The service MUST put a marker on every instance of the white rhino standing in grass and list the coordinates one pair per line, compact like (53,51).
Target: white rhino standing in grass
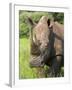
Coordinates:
(47,45)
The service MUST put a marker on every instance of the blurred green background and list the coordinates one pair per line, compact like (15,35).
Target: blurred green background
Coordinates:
(24,42)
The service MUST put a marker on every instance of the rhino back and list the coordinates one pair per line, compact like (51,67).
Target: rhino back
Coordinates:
(58,30)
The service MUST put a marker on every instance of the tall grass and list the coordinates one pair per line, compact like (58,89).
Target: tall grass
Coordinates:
(25,71)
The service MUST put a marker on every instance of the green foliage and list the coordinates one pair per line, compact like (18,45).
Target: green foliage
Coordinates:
(23,24)
(25,72)
(24,56)
(58,17)
(23,15)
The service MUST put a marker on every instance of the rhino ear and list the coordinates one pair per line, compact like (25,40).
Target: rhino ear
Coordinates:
(30,21)
(50,23)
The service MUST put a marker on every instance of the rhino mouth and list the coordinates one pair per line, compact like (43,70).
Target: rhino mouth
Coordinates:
(40,60)
(37,62)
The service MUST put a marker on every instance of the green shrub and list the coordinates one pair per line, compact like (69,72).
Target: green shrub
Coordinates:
(23,24)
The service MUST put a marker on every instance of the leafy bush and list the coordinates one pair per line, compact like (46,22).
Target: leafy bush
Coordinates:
(23,25)
(58,17)
(35,15)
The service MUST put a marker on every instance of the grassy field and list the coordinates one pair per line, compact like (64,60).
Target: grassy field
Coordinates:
(25,71)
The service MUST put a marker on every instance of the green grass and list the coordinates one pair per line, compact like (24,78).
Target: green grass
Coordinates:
(25,72)
(24,56)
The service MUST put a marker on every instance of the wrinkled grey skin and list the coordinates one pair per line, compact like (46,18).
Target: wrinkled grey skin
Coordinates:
(47,45)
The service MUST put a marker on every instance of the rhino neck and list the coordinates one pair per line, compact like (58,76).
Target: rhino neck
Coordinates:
(58,29)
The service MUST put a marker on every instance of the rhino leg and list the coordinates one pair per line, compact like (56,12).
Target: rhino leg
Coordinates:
(54,70)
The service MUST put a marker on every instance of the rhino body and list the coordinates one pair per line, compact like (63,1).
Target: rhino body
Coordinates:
(47,45)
